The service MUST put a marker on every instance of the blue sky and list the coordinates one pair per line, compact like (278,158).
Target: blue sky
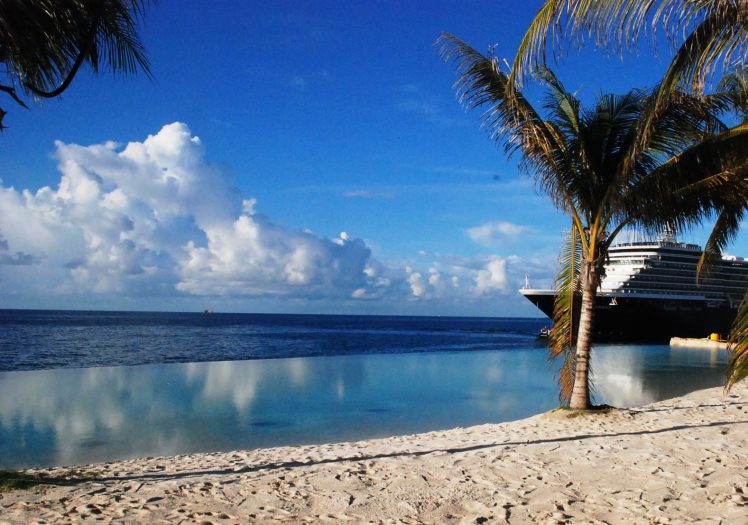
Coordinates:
(323,117)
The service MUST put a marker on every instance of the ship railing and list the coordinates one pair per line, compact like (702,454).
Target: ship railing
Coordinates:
(659,244)
(652,293)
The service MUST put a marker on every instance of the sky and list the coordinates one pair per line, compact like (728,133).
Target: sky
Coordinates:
(287,156)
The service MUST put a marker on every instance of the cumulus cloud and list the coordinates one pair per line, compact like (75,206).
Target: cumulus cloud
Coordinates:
(491,278)
(417,284)
(13,259)
(466,278)
(254,256)
(492,234)
(156,217)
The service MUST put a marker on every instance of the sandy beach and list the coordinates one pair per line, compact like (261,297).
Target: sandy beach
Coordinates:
(676,461)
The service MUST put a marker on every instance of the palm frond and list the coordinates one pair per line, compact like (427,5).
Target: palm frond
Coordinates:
(706,33)
(615,23)
(608,130)
(509,118)
(734,86)
(664,128)
(45,42)
(481,83)
(667,126)
(562,104)
(725,229)
(565,308)
(706,177)
(714,41)
(737,368)
(532,49)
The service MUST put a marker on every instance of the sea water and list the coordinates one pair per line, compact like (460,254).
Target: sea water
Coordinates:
(184,383)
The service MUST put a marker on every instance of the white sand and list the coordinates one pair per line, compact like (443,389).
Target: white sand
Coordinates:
(682,460)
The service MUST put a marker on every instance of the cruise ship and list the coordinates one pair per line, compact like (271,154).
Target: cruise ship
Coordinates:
(650,293)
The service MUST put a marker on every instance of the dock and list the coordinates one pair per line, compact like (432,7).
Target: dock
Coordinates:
(703,344)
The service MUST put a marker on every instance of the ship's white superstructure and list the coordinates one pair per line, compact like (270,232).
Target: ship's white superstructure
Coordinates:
(666,269)
(652,288)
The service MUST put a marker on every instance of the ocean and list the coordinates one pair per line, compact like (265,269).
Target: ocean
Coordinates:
(81,387)
(38,339)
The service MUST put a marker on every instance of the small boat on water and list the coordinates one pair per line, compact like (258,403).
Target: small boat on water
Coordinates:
(545,333)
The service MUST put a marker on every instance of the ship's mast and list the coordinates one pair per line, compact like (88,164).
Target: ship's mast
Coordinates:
(667,234)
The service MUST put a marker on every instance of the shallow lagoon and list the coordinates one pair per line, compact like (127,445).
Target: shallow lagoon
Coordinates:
(83,415)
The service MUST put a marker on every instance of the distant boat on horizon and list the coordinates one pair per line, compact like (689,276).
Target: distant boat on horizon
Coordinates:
(649,292)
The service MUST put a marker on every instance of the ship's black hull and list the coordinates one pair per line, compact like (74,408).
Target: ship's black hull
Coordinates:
(637,319)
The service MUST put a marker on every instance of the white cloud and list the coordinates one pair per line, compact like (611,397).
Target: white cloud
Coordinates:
(14,259)
(492,278)
(253,256)
(155,217)
(495,233)
(467,278)
(417,284)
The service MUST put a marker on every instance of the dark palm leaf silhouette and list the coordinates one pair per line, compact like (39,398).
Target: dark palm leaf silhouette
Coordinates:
(44,43)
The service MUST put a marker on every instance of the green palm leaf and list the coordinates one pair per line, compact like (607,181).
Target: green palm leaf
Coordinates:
(717,33)
(565,311)
(709,176)
(608,22)
(734,85)
(737,368)
(725,229)
(511,119)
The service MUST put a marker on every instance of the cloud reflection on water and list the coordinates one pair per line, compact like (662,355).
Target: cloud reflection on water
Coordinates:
(626,376)
(67,416)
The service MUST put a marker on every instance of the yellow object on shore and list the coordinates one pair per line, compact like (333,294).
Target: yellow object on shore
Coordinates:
(714,337)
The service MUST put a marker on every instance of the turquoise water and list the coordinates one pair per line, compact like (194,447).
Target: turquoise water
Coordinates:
(80,415)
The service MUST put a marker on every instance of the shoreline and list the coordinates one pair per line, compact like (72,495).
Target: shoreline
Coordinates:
(683,459)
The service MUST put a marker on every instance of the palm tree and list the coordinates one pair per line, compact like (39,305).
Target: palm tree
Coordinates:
(43,43)
(594,166)
(716,34)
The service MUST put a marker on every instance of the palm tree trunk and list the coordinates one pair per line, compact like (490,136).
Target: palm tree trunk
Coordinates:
(580,394)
